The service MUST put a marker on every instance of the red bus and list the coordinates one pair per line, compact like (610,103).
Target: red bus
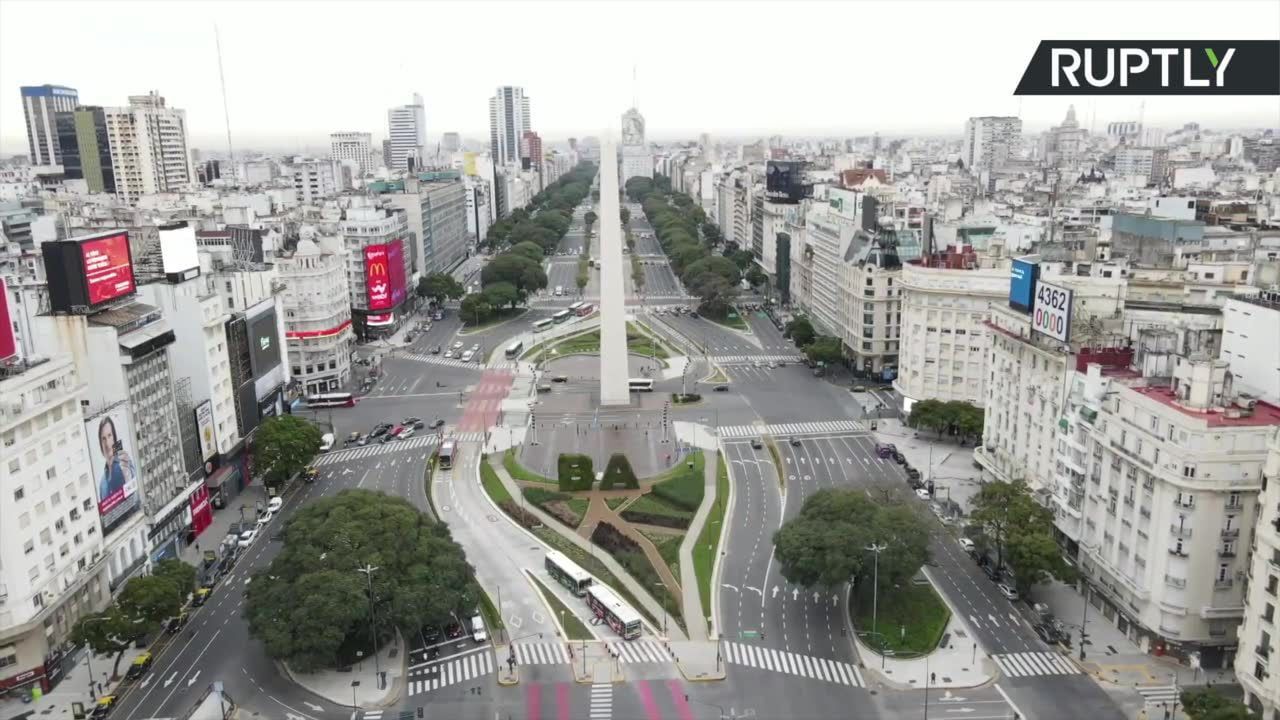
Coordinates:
(586,309)
(331,400)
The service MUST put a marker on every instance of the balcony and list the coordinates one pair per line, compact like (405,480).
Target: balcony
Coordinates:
(1263,651)
(1180,531)
(1175,582)
(1230,532)
(1226,553)
(1145,512)
(1176,552)
(1223,584)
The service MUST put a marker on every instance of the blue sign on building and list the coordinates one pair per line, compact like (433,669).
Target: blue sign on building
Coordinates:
(1022,284)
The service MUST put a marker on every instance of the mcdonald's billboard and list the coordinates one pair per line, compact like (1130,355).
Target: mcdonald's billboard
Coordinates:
(395,271)
(377,277)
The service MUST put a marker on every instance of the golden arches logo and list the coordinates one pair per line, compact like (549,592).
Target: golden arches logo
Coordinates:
(378,268)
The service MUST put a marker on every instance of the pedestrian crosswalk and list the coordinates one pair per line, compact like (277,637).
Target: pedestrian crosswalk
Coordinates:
(450,671)
(371,715)
(378,448)
(541,654)
(438,360)
(841,673)
(474,436)
(601,701)
(748,359)
(807,428)
(640,651)
(1027,664)
(1158,694)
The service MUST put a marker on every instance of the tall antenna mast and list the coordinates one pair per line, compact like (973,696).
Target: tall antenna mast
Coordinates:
(633,86)
(226,114)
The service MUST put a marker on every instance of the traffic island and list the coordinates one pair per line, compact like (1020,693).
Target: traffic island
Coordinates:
(366,684)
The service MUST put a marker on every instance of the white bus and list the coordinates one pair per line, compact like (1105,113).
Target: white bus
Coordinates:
(543,324)
(574,307)
(513,350)
(621,617)
(640,384)
(561,316)
(567,573)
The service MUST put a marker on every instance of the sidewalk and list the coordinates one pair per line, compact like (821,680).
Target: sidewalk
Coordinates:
(960,664)
(74,687)
(358,686)
(690,597)
(949,464)
(249,499)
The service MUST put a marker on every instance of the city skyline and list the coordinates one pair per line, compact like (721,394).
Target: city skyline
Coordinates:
(936,77)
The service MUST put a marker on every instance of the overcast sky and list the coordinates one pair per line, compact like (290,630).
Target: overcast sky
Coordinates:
(299,70)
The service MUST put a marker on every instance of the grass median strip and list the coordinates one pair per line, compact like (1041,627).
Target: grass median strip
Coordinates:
(573,627)
(708,547)
(911,617)
(520,472)
(492,483)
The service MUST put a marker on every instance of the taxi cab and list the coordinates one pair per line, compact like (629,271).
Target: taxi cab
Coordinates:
(103,707)
(139,666)
(202,596)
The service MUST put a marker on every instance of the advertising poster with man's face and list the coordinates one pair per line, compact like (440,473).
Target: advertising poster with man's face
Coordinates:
(116,472)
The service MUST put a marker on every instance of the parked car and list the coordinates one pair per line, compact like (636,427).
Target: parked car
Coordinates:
(431,633)
(410,420)
(884,450)
(437,424)
(477,629)
(1007,591)
(274,504)
(967,544)
(859,388)
(899,458)
(352,439)
(922,493)
(453,629)
(991,572)
(912,473)
(364,440)
(1047,633)
(560,379)
(435,350)
(247,537)
(407,433)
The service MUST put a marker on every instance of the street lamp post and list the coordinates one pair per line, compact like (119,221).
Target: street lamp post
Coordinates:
(664,607)
(88,658)
(875,587)
(368,571)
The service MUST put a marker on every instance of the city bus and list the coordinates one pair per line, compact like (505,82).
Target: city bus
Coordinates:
(513,350)
(561,316)
(448,450)
(620,616)
(331,400)
(640,384)
(574,307)
(543,324)
(567,573)
(585,310)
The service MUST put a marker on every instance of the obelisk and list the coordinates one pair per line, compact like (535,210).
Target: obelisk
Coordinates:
(614,388)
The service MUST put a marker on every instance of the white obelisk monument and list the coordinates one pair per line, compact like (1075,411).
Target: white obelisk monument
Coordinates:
(614,388)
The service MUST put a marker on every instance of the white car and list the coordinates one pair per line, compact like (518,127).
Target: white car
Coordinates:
(407,433)
(967,544)
(274,505)
(1007,591)
(247,537)
(922,493)
(457,345)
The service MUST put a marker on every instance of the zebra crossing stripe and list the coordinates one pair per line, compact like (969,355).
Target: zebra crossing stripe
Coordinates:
(825,669)
(1035,663)
(453,671)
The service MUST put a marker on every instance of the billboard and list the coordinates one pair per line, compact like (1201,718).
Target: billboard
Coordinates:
(1051,315)
(204,428)
(784,181)
(201,512)
(8,341)
(395,266)
(1022,283)
(116,475)
(87,272)
(377,277)
(178,251)
(264,342)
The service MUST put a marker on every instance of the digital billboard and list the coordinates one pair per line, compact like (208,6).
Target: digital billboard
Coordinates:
(178,251)
(784,181)
(395,267)
(1052,311)
(116,473)
(8,341)
(377,277)
(1022,284)
(86,272)
(204,428)
(108,268)
(264,342)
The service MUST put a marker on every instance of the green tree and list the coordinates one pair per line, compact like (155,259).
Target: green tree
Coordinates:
(625,215)
(440,286)
(721,266)
(311,606)
(582,279)
(531,250)
(476,308)
(283,446)
(825,545)
(801,331)
(1021,529)
(589,219)
(181,575)
(109,632)
(638,187)
(714,293)
(1206,703)
(711,232)
(526,274)
(824,349)
(755,276)
(501,294)
(743,259)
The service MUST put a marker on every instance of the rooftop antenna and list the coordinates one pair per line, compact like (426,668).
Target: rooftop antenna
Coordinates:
(226,114)
(633,86)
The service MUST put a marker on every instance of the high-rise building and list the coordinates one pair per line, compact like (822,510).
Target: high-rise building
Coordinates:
(636,159)
(148,147)
(317,313)
(315,180)
(1147,162)
(353,146)
(508,121)
(450,142)
(86,148)
(989,141)
(39,104)
(435,207)
(407,126)
(530,150)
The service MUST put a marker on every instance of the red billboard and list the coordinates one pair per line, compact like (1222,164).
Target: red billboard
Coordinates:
(201,512)
(377,277)
(8,342)
(108,268)
(395,259)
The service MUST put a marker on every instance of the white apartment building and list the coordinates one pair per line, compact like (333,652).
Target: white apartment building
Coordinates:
(354,146)
(479,196)
(1154,477)
(1027,382)
(407,128)
(989,141)
(317,313)
(365,224)
(51,543)
(314,180)
(509,120)
(944,341)
(1146,162)
(1257,633)
(148,144)
(1251,343)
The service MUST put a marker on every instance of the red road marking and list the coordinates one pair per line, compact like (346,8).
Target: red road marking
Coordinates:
(533,702)
(483,406)
(646,697)
(677,697)
(562,701)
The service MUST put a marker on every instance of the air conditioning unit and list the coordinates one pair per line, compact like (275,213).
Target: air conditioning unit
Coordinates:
(1246,401)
